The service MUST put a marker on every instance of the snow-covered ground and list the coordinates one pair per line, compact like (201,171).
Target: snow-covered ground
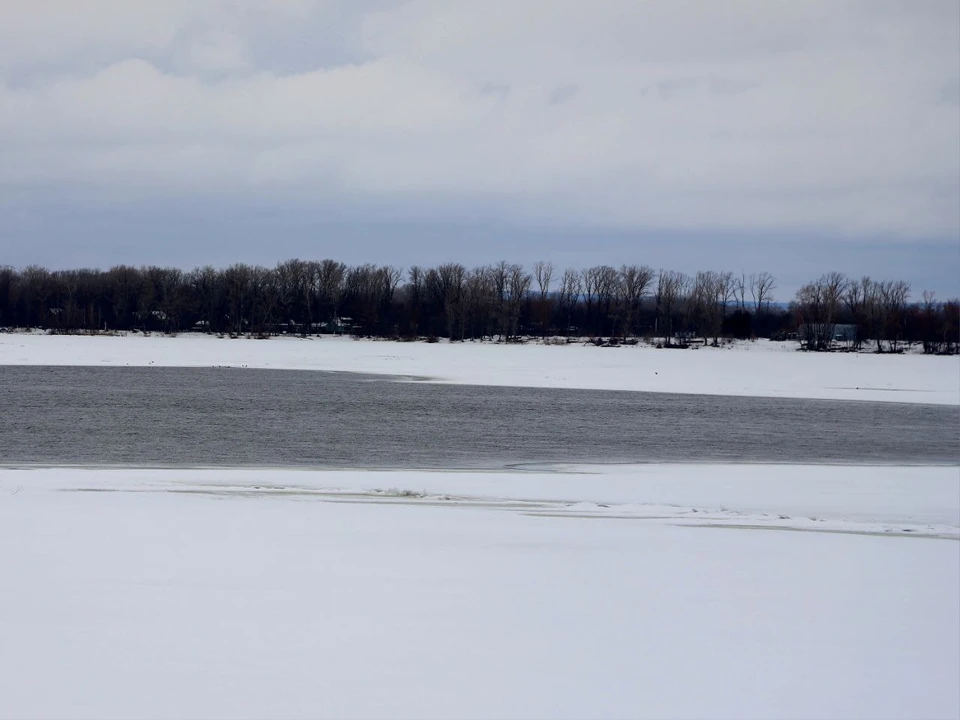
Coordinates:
(759,368)
(654,591)
(680,591)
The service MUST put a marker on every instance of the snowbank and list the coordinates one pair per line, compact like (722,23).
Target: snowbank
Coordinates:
(762,368)
(592,592)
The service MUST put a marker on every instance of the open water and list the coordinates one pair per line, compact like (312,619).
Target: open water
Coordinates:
(212,416)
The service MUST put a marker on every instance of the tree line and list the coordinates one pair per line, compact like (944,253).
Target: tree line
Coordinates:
(875,312)
(502,300)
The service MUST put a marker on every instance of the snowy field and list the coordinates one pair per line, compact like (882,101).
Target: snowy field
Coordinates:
(661,591)
(654,591)
(760,368)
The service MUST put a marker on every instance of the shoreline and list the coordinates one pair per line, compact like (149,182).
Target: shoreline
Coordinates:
(759,368)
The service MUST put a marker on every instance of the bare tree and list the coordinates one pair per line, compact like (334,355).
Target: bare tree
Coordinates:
(607,290)
(295,278)
(818,304)
(588,277)
(500,274)
(726,289)
(635,281)
(126,284)
(206,288)
(740,285)
(238,284)
(298,295)
(517,289)
(543,271)
(858,298)
(70,282)
(762,286)
(331,284)
(708,304)
(414,292)
(446,284)
(570,289)
(928,321)
(669,296)
(479,305)
(264,294)
(893,299)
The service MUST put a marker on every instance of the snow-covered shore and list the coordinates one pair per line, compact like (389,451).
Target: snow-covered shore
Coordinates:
(760,368)
(657,591)
(674,591)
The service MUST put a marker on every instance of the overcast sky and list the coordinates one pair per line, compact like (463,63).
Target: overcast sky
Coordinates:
(785,135)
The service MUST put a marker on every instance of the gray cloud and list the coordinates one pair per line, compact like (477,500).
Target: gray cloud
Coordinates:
(836,117)
(563,94)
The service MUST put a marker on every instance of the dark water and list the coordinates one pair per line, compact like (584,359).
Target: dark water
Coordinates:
(210,416)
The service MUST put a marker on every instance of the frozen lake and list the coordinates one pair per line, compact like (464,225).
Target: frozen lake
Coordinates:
(684,591)
(233,416)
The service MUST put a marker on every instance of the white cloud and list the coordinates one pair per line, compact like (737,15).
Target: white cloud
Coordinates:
(835,116)
(216,53)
